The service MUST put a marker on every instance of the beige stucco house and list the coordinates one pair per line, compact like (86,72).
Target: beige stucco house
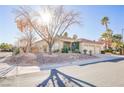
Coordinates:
(89,45)
(84,44)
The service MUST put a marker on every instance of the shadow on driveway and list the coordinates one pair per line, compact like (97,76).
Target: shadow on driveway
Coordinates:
(109,60)
(59,79)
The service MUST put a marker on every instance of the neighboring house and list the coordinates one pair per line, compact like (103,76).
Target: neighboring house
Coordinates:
(89,45)
(60,43)
(22,45)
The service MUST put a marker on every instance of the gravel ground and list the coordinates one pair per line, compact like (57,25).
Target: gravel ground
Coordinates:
(29,63)
(39,59)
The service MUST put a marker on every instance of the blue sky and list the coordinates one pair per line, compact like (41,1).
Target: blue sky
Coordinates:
(91,16)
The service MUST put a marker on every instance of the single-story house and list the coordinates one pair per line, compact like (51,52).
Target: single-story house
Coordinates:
(60,43)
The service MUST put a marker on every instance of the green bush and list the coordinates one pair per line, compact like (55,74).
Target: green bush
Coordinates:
(64,50)
(56,51)
(5,47)
(90,52)
(85,51)
(16,51)
(108,50)
(69,49)
(76,51)
(102,52)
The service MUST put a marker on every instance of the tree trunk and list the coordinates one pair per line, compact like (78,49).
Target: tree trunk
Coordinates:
(106,26)
(50,49)
(30,42)
(30,47)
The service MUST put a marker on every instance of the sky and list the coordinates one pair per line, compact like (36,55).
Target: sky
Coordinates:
(90,16)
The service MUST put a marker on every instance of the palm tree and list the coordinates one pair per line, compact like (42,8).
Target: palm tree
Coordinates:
(105,21)
(107,38)
(109,33)
(117,37)
(104,38)
(116,40)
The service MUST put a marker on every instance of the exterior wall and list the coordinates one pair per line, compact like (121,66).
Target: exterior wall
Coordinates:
(58,45)
(42,46)
(95,48)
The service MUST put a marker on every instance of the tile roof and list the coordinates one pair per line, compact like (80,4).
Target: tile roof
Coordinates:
(89,41)
(68,39)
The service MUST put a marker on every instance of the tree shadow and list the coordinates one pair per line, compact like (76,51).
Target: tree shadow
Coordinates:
(4,71)
(59,79)
(109,60)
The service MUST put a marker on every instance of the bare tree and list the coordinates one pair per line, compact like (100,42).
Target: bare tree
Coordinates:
(28,37)
(49,22)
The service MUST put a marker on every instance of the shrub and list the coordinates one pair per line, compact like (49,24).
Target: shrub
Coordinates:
(102,52)
(90,52)
(5,47)
(16,51)
(109,50)
(56,51)
(76,51)
(69,49)
(64,50)
(85,51)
